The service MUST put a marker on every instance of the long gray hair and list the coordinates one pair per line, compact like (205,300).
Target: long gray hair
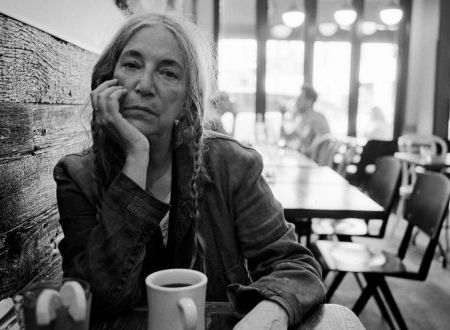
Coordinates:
(197,55)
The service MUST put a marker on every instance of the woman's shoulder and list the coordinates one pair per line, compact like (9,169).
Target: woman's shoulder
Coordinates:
(223,151)
(76,164)
(221,144)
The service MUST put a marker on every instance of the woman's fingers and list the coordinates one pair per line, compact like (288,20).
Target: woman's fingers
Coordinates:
(106,102)
(108,98)
(100,88)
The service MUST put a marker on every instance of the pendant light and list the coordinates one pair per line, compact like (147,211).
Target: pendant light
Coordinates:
(280,31)
(392,14)
(328,29)
(346,15)
(369,27)
(294,17)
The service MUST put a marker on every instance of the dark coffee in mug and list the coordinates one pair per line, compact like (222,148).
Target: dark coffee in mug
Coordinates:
(176,285)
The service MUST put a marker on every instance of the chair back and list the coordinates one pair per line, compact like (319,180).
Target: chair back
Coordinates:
(415,143)
(426,210)
(383,186)
(370,152)
(384,182)
(324,148)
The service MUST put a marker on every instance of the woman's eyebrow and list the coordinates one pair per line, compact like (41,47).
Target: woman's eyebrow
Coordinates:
(131,53)
(171,62)
(165,61)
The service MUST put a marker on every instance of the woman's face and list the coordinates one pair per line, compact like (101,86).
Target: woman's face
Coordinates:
(152,69)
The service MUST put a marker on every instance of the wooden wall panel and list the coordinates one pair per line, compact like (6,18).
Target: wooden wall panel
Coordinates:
(30,129)
(27,252)
(38,68)
(27,188)
(44,90)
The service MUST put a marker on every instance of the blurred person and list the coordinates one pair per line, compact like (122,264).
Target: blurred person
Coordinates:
(377,127)
(157,190)
(306,124)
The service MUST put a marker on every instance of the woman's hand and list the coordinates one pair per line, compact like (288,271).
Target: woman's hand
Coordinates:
(105,101)
(267,315)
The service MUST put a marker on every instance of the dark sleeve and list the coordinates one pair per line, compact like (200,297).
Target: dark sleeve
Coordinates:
(283,270)
(107,252)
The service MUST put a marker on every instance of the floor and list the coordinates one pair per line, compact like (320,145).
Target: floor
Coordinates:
(424,305)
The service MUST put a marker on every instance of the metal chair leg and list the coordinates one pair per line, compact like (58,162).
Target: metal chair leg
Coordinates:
(334,285)
(443,255)
(380,303)
(447,239)
(391,303)
(364,297)
(383,309)
(358,280)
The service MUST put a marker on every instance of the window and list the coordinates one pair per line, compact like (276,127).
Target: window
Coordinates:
(377,79)
(331,80)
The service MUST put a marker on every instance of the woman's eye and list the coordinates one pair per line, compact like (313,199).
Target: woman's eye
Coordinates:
(168,74)
(130,65)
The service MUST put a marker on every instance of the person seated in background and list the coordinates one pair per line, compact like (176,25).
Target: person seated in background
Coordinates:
(307,124)
(157,190)
(377,127)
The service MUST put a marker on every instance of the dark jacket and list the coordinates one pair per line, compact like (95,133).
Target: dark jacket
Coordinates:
(251,251)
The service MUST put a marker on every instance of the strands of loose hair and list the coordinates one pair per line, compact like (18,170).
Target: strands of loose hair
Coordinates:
(109,158)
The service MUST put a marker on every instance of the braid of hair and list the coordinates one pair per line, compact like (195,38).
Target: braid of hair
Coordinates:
(195,191)
(107,163)
(97,173)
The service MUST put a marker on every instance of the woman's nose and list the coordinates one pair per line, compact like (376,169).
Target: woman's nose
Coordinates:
(145,83)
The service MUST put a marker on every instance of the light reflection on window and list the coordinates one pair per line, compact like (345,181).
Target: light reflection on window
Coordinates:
(377,78)
(237,76)
(331,80)
(284,74)
(237,65)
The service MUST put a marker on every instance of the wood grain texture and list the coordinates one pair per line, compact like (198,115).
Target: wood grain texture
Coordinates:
(27,252)
(36,67)
(30,129)
(44,90)
(29,220)
(27,188)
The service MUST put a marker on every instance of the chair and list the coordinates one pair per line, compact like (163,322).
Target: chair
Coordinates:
(426,210)
(358,174)
(426,146)
(324,148)
(383,188)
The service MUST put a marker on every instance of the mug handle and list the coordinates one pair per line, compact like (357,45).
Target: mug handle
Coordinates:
(189,313)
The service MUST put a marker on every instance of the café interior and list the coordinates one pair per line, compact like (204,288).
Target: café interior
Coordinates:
(369,198)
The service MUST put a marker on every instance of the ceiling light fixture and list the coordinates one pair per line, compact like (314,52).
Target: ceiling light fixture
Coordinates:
(327,29)
(280,31)
(369,27)
(346,15)
(294,17)
(392,14)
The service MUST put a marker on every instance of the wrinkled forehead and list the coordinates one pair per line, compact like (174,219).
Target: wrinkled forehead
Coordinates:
(158,40)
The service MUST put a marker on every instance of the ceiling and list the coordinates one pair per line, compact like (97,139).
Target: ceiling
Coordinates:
(238,17)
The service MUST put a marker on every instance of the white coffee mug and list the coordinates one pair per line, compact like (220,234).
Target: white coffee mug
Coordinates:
(176,299)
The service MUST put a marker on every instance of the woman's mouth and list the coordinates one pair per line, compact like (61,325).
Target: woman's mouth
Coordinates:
(140,107)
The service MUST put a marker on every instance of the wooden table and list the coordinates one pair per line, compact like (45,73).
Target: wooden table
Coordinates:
(319,192)
(283,157)
(432,164)
(219,316)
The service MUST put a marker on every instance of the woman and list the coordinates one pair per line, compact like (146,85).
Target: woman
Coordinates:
(157,190)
